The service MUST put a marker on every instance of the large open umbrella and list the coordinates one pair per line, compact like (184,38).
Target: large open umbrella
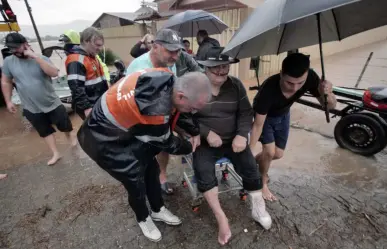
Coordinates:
(189,22)
(278,26)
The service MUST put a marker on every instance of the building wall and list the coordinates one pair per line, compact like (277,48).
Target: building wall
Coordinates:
(352,42)
(121,40)
(233,18)
(271,64)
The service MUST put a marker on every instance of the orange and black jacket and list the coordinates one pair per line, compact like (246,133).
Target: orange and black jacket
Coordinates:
(133,120)
(86,79)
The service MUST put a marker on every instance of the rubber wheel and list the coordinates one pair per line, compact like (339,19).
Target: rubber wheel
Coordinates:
(361,134)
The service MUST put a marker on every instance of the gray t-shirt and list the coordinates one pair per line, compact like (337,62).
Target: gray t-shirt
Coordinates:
(34,87)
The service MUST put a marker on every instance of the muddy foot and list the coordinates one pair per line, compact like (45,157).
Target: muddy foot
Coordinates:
(54,159)
(224,232)
(267,195)
(2,176)
(72,139)
(74,142)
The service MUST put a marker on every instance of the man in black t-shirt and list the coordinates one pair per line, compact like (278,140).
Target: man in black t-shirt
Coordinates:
(272,105)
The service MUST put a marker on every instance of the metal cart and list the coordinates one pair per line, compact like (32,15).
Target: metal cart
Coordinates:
(228,179)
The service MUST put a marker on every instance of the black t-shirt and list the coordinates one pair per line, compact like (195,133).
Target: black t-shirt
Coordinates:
(270,100)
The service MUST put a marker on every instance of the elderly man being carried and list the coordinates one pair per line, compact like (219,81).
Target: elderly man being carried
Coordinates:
(225,122)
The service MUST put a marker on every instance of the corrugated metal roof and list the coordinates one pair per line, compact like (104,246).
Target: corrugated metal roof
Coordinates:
(123,15)
(146,13)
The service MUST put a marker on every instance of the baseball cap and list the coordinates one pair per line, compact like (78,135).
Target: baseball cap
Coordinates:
(14,40)
(169,39)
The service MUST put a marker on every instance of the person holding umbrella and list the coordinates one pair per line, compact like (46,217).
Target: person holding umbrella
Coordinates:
(225,122)
(272,105)
(205,43)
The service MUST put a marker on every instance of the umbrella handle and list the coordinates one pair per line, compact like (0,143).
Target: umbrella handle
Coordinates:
(322,66)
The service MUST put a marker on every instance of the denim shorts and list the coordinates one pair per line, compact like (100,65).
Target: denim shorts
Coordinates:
(276,130)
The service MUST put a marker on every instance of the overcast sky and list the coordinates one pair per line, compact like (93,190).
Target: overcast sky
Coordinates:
(64,11)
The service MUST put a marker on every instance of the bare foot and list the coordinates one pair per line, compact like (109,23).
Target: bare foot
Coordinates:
(267,195)
(74,142)
(163,177)
(72,139)
(2,176)
(224,231)
(55,158)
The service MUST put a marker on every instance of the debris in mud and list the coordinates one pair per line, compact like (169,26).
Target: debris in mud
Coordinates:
(29,227)
(378,229)
(89,200)
(4,241)
(300,127)
(320,226)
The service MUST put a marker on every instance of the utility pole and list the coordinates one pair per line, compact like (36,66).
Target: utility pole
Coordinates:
(34,25)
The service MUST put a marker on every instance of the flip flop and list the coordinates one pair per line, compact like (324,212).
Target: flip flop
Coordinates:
(166,188)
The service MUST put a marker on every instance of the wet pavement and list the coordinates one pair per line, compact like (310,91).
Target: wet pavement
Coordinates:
(328,197)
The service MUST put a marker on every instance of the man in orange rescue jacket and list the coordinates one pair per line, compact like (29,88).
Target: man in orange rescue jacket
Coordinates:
(132,122)
(85,74)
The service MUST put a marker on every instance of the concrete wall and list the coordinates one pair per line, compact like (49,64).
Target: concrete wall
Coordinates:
(271,64)
(233,18)
(121,40)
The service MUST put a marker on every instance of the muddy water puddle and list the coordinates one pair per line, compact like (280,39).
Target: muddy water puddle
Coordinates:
(20,144)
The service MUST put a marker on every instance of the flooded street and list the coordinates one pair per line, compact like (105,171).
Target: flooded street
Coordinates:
(328,196)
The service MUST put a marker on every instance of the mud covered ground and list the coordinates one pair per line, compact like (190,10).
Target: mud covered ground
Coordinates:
(76,205)
(328,197)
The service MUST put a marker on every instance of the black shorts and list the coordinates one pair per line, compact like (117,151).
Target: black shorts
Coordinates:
(276,130)
(205,157)
(43,122)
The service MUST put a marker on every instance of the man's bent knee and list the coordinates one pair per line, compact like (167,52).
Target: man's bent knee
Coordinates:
(268,151)
(279,153)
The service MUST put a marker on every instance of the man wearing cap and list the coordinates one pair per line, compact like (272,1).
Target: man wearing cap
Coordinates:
(225,123)
(165,52)
(41,106)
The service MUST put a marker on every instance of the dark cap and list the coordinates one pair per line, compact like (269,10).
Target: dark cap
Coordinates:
(14,40)
(214,57)
(169,39)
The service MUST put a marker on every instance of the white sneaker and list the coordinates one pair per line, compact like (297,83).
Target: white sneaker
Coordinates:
(166,216)
(258,210)
(150,230)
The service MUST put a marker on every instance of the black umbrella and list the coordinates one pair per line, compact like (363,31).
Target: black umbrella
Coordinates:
(189,22)
(278,26)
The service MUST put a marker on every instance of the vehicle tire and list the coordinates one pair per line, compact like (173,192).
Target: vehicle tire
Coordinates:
(361,134)
(382,120)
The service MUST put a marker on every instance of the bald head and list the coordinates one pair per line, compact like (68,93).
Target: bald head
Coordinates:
(192,91)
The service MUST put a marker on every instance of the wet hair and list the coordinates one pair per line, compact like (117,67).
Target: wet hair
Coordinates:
(202,33)
(186,41)
(90,34)
(295,65)
(193,85)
